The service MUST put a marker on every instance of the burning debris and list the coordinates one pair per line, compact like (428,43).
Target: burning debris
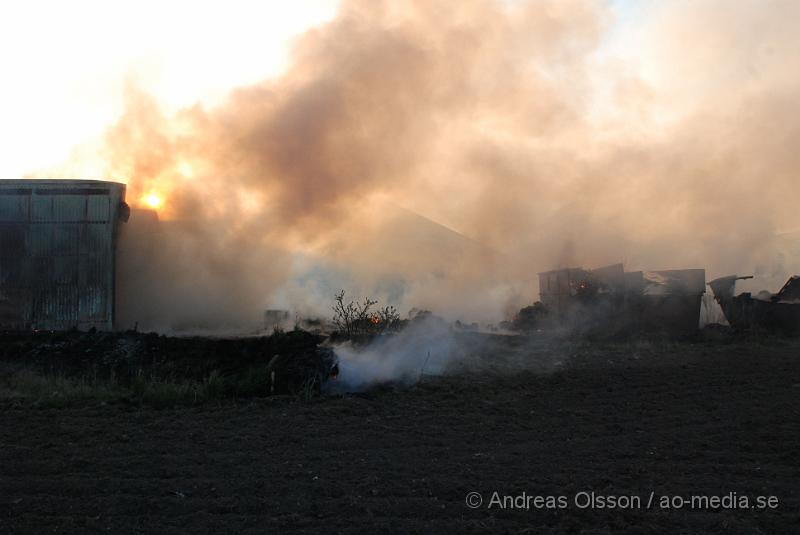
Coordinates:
(778,312)
(611,300)
(358,320)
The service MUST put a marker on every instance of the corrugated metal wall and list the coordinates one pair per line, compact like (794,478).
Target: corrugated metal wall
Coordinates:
(57,246)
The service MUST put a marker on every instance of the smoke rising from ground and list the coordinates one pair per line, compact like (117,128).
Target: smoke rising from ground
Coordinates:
(425,347)
(501,120)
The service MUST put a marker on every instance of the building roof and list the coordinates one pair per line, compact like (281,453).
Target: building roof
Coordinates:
(62,182)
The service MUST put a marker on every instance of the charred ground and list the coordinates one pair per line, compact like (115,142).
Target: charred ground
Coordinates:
(709,416)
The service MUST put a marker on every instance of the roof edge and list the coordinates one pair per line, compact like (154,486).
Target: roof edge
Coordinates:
(32,182)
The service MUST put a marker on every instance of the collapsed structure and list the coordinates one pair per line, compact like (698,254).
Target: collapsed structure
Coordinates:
(57,253)
(778,312)
(613,299)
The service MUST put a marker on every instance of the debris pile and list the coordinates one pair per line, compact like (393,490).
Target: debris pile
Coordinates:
(612,300)
(778,312)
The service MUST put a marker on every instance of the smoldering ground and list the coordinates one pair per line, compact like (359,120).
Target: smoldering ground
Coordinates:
(505,121)
(429,348)
(426,345)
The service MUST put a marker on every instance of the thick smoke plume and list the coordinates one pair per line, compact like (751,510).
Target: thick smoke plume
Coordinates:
(505,121)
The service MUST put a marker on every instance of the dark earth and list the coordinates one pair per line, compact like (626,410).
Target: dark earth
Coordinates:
(707,417)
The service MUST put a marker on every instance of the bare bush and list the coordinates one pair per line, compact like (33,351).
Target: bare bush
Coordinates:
(354,319)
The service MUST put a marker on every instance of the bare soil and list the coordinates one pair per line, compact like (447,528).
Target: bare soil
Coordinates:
(700,418)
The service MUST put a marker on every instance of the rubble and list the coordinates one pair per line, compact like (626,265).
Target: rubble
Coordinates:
(778,312)
(612,300)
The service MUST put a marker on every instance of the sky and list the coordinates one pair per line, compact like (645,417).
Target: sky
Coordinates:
(65,64)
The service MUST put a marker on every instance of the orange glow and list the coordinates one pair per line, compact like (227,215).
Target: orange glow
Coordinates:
(153,201)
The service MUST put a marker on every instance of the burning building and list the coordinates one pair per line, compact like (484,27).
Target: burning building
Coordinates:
(57,253)
(611,298)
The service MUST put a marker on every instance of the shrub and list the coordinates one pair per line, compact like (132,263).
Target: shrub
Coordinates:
(354,319)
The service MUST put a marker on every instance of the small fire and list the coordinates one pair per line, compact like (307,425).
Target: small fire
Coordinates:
(153,201)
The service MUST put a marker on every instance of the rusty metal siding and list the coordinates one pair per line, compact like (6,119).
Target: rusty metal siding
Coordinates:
(57,247)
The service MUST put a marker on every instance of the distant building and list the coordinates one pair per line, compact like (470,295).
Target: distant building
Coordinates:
(57,253)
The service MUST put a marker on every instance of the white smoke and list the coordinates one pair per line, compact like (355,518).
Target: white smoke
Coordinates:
(424,348)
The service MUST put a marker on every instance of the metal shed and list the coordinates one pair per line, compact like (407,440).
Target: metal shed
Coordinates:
(57,249)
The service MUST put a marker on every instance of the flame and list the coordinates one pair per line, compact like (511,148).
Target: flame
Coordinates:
(153,200)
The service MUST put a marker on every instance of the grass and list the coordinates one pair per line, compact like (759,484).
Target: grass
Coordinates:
(21,384)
